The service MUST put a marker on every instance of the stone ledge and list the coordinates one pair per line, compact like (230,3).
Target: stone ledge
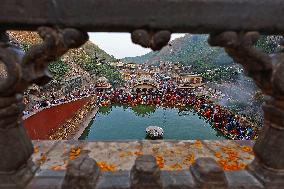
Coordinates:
(121,156)
(176,155)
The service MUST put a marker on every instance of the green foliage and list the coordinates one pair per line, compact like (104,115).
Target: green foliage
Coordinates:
(268,44)
(25,47)
(194,51)
(94,61)
(89,59)
(58,69)
(143,110)
(88,64)
(82,59)
(102,69)
(105,110)
(110,72)
(221,74)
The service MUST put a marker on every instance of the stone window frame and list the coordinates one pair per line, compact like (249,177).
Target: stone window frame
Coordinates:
(151,23)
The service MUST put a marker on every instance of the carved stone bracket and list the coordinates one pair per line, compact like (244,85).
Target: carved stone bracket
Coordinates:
(154,40)
(16,168)
(268,73)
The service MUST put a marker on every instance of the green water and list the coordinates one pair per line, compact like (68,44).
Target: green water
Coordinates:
(123,123)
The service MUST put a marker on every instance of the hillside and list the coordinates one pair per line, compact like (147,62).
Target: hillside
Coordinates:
(217,68)
(194,50)
(73,58)
(188,50)
(69,71)
(93,50)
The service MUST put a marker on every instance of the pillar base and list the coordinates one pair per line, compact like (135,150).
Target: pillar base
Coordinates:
(270,178)
(18,179)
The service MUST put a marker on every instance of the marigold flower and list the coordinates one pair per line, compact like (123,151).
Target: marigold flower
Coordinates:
(56,168)
(198,143)
(218,154)
(189,160)
(176,166)
(247,149)
(42,158)
(160,161)
(74,153)
(138,153)
(106,166)
(36,149)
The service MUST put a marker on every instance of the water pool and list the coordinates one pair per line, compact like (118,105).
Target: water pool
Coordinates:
(129,123)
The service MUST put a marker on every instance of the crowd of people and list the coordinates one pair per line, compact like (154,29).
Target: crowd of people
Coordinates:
(53,101)
(168,95)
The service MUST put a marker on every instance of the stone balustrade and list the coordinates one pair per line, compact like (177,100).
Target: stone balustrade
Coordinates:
(135,164)
(151,22)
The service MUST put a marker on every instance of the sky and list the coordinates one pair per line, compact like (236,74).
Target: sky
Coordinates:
(120,45)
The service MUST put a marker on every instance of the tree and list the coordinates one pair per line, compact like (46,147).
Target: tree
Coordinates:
(268,44)
(58,69)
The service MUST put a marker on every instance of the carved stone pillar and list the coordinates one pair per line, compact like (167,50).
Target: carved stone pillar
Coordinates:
(209,174)
(268,165)
(16,167)
(268,73)
(145,174)
(82,173)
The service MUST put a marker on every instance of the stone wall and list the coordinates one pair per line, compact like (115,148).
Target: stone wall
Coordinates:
(44,123)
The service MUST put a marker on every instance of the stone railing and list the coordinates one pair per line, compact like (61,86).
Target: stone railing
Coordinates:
(233,25)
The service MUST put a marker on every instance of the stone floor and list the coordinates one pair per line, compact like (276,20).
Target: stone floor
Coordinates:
(120,155)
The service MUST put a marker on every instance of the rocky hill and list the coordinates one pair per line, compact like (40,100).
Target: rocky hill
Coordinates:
(72,58)
(69,70)
(188,50)
(194,51)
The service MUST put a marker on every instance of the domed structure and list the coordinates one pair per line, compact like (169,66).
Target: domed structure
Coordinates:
(102,80)
(154,132)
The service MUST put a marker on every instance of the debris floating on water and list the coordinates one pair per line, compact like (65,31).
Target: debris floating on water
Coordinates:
(154,132)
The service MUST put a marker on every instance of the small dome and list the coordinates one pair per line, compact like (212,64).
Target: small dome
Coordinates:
(102,80)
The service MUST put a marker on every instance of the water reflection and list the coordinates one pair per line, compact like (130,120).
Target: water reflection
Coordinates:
(139,110)
(105,110)
(127,122)
(143,110)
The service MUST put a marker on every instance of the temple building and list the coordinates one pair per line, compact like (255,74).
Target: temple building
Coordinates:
(190,81)
(126,74)
(145,84)
(143,74)
(118,65)
(102,85)
(131,66)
